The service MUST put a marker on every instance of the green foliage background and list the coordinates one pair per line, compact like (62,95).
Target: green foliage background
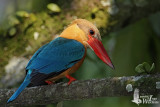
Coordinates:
(128,47)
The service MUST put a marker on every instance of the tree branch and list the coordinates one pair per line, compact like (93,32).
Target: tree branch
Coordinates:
(87,89)
(110,15)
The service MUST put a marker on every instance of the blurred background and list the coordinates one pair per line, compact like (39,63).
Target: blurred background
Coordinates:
(130,38)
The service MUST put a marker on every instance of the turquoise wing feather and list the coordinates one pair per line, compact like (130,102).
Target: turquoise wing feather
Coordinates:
(51,59)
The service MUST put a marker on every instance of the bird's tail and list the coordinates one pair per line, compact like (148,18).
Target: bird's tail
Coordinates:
(21,88)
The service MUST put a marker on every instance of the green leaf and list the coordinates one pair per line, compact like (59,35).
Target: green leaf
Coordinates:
(94,10)
(139,68)
(12,21)
(22,14)
(12,31)
(152,68)
(146,66)
(53,7)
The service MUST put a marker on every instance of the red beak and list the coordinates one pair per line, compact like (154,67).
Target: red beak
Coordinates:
(99,50)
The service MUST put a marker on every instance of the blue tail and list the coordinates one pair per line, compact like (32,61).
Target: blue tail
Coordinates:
(21,88)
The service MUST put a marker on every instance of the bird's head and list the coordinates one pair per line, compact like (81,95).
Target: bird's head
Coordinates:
(88,34)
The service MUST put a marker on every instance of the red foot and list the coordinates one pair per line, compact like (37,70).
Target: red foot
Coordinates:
(49,82)
(71,79)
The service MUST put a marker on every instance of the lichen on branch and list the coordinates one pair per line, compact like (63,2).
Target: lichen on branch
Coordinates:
(94,88)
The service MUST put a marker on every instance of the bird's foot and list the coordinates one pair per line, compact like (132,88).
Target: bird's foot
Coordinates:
(71,79)
(49,82)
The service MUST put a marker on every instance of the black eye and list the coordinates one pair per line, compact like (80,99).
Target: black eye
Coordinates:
(91,32)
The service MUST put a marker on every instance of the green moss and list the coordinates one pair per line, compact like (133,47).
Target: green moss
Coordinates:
(46,25)
(145,81)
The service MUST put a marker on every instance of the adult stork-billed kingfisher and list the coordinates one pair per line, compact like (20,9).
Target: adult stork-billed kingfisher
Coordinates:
(63,55)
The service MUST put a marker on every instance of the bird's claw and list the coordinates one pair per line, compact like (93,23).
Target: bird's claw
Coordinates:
(71,79)
(49,82)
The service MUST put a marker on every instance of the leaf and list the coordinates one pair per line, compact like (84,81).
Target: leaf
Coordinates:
(12,21)
(53,7)
(146,66)
(152,68)
(12,31)
(139,68)
(22,14)
(94,10)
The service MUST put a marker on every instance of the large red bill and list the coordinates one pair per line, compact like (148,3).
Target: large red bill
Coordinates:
(99,50)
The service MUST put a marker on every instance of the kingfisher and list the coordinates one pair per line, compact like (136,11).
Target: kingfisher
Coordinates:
(63,56)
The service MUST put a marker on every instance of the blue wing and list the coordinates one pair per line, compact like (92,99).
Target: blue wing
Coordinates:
(50,60)
(54,57)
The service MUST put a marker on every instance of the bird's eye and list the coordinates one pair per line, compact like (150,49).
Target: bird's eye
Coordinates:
(91,32)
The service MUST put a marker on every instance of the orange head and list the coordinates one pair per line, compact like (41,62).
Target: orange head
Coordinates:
(88,34)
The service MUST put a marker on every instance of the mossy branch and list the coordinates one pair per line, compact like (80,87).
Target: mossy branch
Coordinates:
(111,15)
(78,90)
